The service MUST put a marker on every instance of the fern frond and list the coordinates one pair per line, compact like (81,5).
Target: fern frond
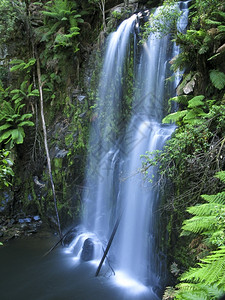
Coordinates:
(205,209)
(174,117)
(196,101)
(212,22)
(218,198)
(198,291)
(179,99)
(210,271)
(221,28)
(217,78)
(221,176)
(199,224)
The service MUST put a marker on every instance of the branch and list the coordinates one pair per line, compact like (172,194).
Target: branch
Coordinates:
(40,84)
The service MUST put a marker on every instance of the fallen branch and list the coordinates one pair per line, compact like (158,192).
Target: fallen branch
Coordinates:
(109,244)
(59,242)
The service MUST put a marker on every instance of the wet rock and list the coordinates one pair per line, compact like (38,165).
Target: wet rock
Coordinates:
(61,153)
(19,225)
(81,97)
(25,220)
(88,250)
(69,237)
(23,226)
(36,218)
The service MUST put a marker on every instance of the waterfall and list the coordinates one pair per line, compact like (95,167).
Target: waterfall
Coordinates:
(114,183)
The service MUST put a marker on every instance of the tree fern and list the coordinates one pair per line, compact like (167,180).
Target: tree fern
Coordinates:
(200,224)
(219,198)
(205,209)
(193,291)
(211,271)
(207,279)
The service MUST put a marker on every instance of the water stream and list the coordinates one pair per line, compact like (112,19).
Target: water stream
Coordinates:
(115,188)
(114,183)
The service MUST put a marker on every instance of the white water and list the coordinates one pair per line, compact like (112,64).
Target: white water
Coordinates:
(114,183)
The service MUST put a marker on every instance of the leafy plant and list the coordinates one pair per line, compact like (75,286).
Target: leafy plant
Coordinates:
(207,280)
(19,64)
(191,115)
(163,21)
(10,17)
(217,78)
(61,23)
(11,119)
(5,168)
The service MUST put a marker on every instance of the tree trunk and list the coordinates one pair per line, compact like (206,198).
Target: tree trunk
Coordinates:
(46,142)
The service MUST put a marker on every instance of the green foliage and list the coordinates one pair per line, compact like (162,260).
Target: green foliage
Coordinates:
(5,168)
(10,17)
(61,24)
(20,64)
(209,275)
(164,22)
(12,120)
(192,115)
(217,78)
(202,47)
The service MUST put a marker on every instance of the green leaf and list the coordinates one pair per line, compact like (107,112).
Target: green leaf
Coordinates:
(196,101)
(15,134)
(21,135)
(16,91)
(34,93)
(25,116)
(17,67)
(30,63)
(5,135)
(5,126)
(174,117)
(217,78)
(26,123)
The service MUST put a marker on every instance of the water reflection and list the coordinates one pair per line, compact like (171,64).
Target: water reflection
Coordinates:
(26,274)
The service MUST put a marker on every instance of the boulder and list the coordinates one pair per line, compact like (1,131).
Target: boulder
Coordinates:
(88,250)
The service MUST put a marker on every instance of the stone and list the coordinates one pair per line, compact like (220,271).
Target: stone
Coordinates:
(88,250)
(36,218)
(69,237)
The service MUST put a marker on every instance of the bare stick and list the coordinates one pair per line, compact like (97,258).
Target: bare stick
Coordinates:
(109,244)
(46,142)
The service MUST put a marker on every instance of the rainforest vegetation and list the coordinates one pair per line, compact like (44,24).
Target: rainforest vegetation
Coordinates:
(50,57)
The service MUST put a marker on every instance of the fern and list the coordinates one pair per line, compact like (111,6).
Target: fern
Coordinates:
(217,78)
(211,271)
(207,279)
(205,209)
(221,176)
(219,198)
(193,291)
(196,101)
(200,224)
(174,117)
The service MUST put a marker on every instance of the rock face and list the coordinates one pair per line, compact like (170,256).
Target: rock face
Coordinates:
(88,250)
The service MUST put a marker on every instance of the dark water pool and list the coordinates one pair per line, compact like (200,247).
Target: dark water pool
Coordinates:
(26,275)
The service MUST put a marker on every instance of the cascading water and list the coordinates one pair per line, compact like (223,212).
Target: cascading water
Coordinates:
(114,184)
